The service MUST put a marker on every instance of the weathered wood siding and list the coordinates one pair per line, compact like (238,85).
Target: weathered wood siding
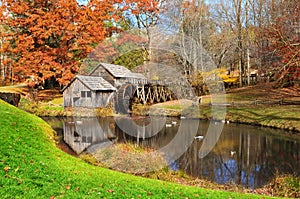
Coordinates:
(130,80)
(102,72)
(102,99)
(78,95)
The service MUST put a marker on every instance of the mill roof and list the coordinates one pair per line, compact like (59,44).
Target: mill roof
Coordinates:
(119,71)
(93,83)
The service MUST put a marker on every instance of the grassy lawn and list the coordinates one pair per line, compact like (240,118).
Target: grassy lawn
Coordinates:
(32,167)
(283,117)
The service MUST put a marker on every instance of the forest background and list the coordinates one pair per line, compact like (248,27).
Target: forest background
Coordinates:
(46,42)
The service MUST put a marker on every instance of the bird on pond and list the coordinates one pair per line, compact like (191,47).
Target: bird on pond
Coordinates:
(199,137)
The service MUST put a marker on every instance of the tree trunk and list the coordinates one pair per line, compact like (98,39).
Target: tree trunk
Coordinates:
(248,43)
(240,39)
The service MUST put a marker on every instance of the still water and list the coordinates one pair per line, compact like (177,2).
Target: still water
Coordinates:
(242,154)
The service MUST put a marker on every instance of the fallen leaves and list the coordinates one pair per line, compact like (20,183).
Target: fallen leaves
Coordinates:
(68,187)
(6,169)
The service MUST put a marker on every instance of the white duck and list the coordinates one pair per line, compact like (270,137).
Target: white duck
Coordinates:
(199,137)
(232,153)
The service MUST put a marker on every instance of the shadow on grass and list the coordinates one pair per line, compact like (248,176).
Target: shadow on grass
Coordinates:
(263,117)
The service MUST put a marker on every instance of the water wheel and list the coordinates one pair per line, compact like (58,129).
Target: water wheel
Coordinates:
(125,97)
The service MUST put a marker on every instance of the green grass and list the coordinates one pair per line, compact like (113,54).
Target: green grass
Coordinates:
(244,111)
(43,109)
(285,117)
(32,167)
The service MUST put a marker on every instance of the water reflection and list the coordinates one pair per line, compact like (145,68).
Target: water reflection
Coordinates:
(245,155)
(85,133)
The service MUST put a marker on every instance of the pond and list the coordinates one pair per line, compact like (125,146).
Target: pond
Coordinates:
(243,154)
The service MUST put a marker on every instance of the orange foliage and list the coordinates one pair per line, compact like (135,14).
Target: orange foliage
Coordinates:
(49,38)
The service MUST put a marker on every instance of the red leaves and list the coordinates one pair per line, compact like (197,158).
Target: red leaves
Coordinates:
(50,37)
(283,38)
(142,8)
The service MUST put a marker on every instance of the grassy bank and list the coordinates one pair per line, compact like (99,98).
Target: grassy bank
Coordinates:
(240,108)
(283,117)
(276,116)
(31,166)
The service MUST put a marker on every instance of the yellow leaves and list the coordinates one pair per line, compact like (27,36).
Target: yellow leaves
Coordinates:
(17,169)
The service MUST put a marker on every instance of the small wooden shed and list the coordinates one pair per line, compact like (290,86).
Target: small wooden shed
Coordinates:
(88,92)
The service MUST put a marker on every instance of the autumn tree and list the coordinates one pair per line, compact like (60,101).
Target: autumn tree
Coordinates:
(232,14)
(130,45)
(125,48)
(282,41)
(49,38)
(141,14)
(196,25)
(4,69)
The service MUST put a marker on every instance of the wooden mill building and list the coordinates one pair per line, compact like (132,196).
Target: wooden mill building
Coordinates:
(99,87)
(110,84)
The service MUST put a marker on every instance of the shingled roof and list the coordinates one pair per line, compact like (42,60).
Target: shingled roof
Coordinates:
(119,71)
(93,83)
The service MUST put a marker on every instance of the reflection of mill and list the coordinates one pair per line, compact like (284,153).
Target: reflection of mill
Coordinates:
(259,154)
(90,134)
(81,133)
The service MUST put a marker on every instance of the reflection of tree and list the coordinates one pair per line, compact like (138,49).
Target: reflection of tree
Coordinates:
(257,157)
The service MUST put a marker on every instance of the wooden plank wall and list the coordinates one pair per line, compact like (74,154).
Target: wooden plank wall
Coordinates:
(73,96)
